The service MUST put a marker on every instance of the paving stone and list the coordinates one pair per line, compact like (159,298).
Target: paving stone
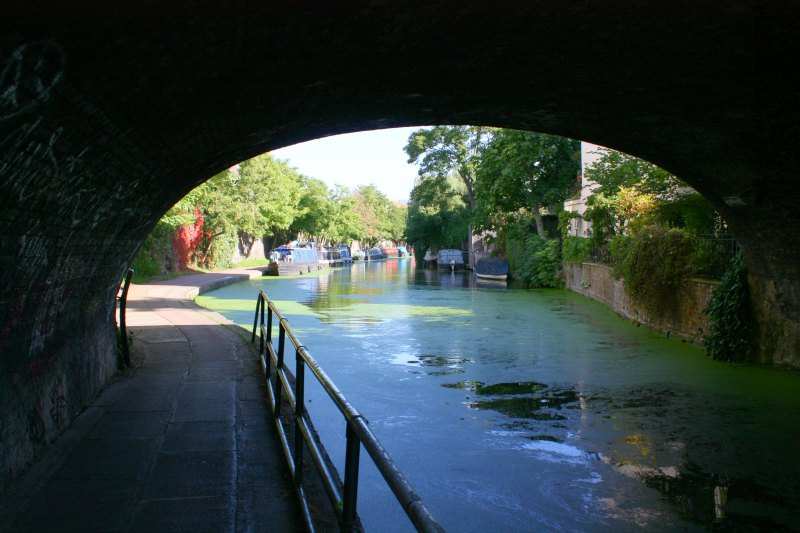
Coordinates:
(210,374)
(195,515)
(84,506)
(192,474)
(109,459)
(205,411)
(200,436)
(184,442)
(220,391)
(137,399)
(130,425)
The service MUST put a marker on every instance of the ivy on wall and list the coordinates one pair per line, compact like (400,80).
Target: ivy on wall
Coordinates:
(730,336)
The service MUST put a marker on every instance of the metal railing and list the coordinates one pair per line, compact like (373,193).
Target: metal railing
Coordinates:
(122,297)
(342,497)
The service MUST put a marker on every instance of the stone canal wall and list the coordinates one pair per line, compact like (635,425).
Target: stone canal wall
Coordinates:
(685,320)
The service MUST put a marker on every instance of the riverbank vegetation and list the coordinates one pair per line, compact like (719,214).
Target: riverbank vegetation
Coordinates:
(488,180)
(509,187)
(264,199)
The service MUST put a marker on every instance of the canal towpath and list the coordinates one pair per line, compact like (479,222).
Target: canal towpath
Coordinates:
(180,442)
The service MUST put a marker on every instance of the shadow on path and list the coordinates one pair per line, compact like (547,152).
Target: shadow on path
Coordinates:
(182,442)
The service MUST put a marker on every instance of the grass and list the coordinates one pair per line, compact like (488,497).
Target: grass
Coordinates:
(149,278)
(142,279)
(252,262)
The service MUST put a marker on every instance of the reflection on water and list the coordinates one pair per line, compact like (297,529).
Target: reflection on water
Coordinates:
(515,410)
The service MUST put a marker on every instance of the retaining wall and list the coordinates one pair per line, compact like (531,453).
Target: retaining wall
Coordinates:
(685,319)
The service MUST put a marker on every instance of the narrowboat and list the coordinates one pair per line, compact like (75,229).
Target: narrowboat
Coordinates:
(287,260)
(491,268)
(344,254)
(329,257)
(450,259)
(374,254)
(390,252)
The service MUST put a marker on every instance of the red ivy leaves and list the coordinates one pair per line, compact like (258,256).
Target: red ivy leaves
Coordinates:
(187,238)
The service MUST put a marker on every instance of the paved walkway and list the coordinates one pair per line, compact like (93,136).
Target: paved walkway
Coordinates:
(181,443)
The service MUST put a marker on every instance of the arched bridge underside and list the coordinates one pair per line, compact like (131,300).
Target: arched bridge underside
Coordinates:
(105,122)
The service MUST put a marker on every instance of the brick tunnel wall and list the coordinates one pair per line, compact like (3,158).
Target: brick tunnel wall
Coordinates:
(105,123)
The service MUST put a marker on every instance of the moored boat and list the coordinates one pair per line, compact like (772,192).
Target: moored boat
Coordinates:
(344,254)
(491,268)
(390,251)
(330,257)
(450,259)
(287,260)
(374,254)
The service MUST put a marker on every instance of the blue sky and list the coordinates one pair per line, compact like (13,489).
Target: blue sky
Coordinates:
(368,157)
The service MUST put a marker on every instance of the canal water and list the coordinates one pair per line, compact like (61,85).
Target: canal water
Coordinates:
(530,410)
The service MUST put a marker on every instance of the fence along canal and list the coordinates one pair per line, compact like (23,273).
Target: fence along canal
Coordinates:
(287,405)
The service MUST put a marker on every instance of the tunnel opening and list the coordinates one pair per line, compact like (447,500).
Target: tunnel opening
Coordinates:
(105,123)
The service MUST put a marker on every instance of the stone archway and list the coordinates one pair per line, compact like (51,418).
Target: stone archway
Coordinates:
(105,122)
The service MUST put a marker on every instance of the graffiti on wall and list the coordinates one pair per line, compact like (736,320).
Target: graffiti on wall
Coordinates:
(28,77)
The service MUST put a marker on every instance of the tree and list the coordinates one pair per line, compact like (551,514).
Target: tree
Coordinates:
(526,170)
(437,214)
(443,151)
(396,227)
(345,225)
(315,209)
(380,218)
(274,188)
(258,198)
(617,169)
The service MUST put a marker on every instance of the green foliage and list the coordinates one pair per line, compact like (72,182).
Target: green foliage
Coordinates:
(601,212)
(690,211)
(379,217)
(437,215)
(315,209)
(576,249)
(564,220)
(618,250)
(616,169)
(730,336)
(219,251)
(654,263)
(155,256)
(259,199)
(444,151)
(526,170)
(711,257)
(534,261)
(264,197)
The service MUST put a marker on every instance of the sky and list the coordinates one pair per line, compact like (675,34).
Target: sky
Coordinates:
(368,157)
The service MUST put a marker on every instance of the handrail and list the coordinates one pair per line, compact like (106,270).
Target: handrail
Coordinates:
(123,326)
(343,497)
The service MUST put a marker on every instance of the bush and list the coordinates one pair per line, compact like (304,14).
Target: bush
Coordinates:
(534,261)
(576,249)
(691,211)
(654,263)
(220,251)
(730,336)
(546,265)
(618,249)
(711,257)
(156,255)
